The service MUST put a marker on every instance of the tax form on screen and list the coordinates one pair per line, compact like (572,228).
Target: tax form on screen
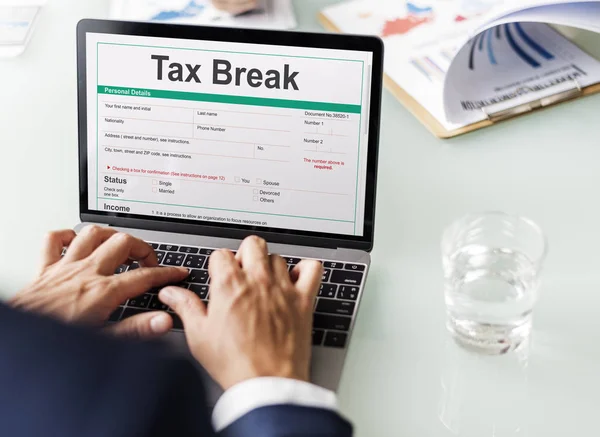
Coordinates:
(242,134)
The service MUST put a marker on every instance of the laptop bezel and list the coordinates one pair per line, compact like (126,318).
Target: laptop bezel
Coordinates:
(268,37)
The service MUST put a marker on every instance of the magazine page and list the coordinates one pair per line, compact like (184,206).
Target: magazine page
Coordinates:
(519,62)
(422,37)
(579,14)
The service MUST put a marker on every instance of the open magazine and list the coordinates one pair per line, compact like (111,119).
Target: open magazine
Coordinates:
(465,60)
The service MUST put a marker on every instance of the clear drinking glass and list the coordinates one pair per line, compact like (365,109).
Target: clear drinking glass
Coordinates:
(492,263)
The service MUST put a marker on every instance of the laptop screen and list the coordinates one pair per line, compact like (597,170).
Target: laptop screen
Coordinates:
(241,134)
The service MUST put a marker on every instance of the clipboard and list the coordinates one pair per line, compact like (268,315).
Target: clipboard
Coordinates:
(492,118)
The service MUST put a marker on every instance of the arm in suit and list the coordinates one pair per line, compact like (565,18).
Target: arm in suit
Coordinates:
(66,381)
(289,421)
(59,380)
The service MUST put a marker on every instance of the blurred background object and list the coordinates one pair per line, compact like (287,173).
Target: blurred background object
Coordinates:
(265,14)
(17,21)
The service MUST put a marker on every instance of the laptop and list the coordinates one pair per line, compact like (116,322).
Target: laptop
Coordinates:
(192,138)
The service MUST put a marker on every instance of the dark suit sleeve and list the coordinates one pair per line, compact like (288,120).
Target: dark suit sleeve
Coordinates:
(57,380)
(289,421)
(64,381)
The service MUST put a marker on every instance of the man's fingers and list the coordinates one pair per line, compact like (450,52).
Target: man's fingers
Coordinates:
(308,274)
(119,248)
(88,240)
(254,258)
(186,304)
(280,272)
(143,326)
(224,270)
(54,244)
(133,283)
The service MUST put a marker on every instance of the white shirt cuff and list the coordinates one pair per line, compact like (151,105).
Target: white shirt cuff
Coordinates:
(255,393)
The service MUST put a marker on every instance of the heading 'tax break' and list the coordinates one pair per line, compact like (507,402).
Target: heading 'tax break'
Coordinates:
(225,74)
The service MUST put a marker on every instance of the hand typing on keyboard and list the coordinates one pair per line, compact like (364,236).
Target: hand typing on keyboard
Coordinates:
(259,319)
(81,286)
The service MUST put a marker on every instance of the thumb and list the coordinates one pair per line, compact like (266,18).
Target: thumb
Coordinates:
(186,304)
(143,326)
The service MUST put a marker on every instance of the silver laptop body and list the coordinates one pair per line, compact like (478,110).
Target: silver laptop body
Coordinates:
(114,153)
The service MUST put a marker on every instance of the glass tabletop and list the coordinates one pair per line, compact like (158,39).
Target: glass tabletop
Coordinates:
(403,375)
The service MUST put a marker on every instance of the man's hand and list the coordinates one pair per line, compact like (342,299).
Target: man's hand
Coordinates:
(259,321)
(81,286)
(235,7)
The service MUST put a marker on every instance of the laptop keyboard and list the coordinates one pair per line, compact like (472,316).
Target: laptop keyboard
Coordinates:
(334,308)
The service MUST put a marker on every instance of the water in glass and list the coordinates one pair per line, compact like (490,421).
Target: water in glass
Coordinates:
(490,293)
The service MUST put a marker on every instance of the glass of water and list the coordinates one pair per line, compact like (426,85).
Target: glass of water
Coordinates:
(492,263)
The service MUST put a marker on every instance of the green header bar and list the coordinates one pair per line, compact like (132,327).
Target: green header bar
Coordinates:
(233,100)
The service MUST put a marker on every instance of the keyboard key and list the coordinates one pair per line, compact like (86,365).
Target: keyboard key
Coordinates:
(346,277)
(317,337)
(185,249)
(327,290)
(157,305)
(200,290)
(194,261)
(335,339)
(347,292)
(177,323)
(121,269)
(185,284)
(154,290)
(140,301)
(335,307)
(326,321)
(291,260)
(198,276)
(355,267)
(134,265)
(154,245)
(116,315)
(206,251)
(173,259)
(169,247)
(160,256)
(130,312)
(333,265)
(326,275)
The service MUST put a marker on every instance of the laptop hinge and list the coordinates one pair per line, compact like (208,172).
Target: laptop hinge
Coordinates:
(233,234)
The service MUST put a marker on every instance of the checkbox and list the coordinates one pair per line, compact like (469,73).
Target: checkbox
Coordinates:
(255,191)
(154,189)
(259,181)
(154,182)
(256,198)
(237,179)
